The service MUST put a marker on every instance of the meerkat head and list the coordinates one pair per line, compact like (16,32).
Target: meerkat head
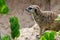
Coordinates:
(33,8)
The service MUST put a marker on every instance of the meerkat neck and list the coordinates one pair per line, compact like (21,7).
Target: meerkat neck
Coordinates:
(38,12)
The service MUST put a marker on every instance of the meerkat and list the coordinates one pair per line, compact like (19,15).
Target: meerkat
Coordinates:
(45,19)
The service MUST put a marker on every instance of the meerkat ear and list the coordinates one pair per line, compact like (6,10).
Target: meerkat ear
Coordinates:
(36,12)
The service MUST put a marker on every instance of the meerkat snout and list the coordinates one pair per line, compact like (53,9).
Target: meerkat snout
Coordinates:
(31,9)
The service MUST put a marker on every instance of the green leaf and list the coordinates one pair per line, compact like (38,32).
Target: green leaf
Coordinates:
(49,35)
(46,35)
(14,25)
(42,38)
(57,19)
(52,35)
(2,2)
(58,32)
(6,37)
(4,9)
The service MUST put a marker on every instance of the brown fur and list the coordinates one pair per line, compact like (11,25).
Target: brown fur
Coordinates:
(45,19)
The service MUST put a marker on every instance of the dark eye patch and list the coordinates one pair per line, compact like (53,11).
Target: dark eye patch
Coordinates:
(29,8)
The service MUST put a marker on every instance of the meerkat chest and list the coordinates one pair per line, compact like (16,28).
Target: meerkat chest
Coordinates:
(36,18)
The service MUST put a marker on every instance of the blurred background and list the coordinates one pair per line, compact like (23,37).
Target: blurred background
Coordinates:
(16,7)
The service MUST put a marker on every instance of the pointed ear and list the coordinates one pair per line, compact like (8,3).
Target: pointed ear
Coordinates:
(36,11)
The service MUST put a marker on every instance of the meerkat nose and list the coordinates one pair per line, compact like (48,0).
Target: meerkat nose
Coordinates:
(26,9)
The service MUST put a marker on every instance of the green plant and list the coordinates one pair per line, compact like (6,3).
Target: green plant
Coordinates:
(58,33)
(0,36)
(57,19)
(43,38)
(48,35)
(2,2)
(3,7)
(14,25)
(6,37)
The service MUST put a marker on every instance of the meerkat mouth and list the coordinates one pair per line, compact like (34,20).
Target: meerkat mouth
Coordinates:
(27,9)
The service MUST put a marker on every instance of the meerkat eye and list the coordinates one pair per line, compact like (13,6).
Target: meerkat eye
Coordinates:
(29,8)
